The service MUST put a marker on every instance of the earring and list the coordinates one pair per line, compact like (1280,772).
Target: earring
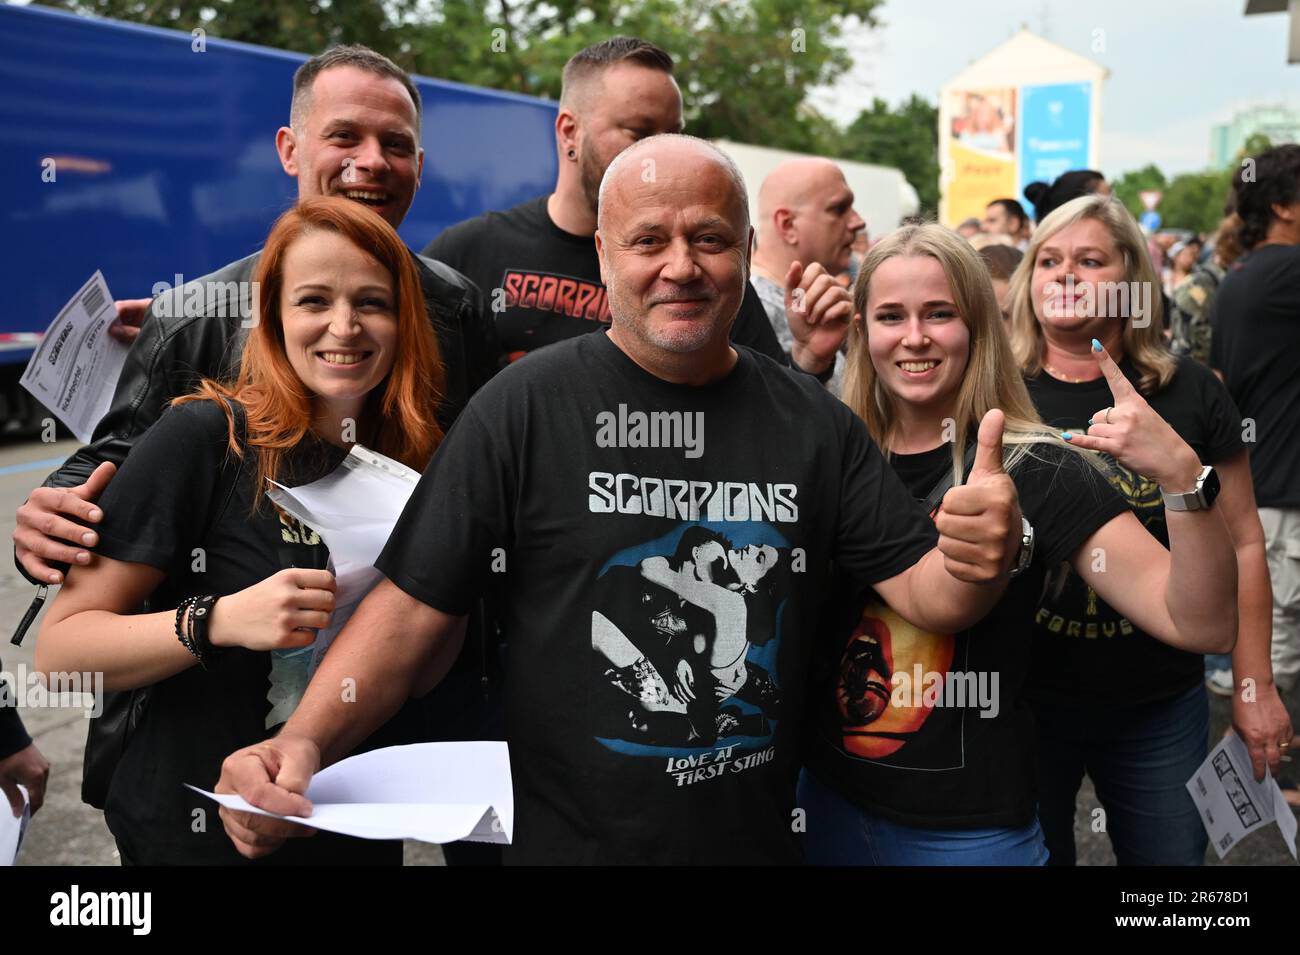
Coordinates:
(573,154)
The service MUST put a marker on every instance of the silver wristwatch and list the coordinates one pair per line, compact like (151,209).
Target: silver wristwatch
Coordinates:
(1026,555)
(1199,498)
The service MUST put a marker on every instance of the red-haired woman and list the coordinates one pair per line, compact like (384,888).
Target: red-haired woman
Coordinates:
(343,353)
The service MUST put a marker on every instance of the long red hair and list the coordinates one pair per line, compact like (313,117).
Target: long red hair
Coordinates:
(400,414)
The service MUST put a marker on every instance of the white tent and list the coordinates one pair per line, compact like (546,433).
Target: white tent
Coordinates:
(882,194)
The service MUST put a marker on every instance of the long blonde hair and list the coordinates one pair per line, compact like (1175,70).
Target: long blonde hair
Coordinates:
(1144,346)
(991,379)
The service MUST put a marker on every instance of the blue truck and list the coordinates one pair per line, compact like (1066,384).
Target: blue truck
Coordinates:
(150,153)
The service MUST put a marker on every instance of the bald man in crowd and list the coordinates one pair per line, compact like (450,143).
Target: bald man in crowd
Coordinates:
(806,228)
(614,544)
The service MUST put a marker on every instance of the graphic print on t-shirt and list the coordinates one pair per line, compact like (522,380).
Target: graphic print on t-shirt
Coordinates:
(291,670)
(685,636)
(1144,498)
(890,689)
(531,298)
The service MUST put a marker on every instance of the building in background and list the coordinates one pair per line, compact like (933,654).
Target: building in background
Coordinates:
(1281,124)
(1029,110)
(1292,9)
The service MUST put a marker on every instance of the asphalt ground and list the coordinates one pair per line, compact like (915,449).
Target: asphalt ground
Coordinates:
(67,832)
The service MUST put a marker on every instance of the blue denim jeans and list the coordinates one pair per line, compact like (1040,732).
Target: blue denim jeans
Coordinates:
(839,833)
(1217,661)
(1139,759)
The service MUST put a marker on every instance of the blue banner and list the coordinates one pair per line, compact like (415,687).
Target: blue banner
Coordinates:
(1054,128)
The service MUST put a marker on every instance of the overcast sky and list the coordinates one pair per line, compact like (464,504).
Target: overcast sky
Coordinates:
(1176,66)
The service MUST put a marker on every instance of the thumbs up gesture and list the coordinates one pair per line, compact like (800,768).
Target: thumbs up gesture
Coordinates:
(979,521)
(1135,435)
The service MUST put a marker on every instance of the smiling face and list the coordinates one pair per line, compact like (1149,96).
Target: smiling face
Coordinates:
(338,311)
(673,253)
(358,139)
(628,103)
(916,338)
(1075,271)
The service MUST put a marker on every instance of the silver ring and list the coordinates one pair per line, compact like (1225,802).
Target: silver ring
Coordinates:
(1108,411)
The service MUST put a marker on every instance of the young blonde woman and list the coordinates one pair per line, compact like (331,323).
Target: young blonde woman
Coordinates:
(920,746)
(343,352)
(1112,698)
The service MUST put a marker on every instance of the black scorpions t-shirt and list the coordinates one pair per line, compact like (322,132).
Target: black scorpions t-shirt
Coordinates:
(543,284)
(1086,652)
(932,729)
(182,503)
(660,554)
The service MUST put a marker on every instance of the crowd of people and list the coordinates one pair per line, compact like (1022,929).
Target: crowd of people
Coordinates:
(965,515)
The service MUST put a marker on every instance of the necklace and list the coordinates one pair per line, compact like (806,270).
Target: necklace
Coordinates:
(1062,376)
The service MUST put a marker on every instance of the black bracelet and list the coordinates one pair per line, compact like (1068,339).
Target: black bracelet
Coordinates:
(194,635)
(200,616)
(181,633)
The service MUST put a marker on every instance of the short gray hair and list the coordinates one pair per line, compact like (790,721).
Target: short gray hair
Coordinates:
(354,55)
(723,160)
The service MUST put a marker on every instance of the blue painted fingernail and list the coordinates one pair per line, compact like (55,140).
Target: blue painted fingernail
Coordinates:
(1066,436)
(1089,421)
(1096,345)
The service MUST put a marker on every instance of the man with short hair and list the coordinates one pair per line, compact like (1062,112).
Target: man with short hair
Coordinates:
(355,132)
(806,229)
(1008,217)
(654,683)
(536,262)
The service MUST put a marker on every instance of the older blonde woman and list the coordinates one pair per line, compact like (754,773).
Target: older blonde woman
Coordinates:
(1112,700)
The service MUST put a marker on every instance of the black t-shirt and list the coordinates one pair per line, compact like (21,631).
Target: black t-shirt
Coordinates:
(1086,652)
(543,283)
(931,729)
(180,504)
(661,553)
(1256,344)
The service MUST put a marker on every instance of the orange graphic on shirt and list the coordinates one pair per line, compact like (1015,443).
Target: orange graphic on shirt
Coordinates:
(875,721)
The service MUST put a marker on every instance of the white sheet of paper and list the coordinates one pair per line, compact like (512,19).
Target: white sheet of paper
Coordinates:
(13,830)
(433,792)
(74,370)
(1231,803)
(353,508)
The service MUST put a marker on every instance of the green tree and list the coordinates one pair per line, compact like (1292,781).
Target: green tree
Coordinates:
(1128,187)
(1194,200)
(745,66)
(906,138)
(305,26)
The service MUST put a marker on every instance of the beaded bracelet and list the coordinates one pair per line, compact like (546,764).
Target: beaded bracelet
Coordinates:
(193,635)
